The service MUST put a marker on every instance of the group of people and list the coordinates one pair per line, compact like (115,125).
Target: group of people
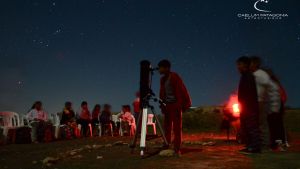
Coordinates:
(262,100)
(260,95)
(70,119)
(172,92)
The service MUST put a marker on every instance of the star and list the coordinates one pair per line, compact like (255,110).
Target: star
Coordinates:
(58,31)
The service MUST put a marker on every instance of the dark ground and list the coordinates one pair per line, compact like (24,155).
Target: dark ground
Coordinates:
(219,155)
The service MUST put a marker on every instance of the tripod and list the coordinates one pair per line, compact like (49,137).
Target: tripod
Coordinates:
(142,120)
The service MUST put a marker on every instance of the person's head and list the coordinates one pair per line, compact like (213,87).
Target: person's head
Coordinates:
(255,63)
(126,108)
(84,105)
(97,107)
(38,105)
(68,105)
(164,66)
(107,107)
(243,64)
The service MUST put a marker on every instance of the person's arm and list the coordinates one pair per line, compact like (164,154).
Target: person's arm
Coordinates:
(29,116)
(181,93)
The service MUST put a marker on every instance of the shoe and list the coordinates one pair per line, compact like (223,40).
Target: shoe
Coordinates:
(286,145)
(280,146)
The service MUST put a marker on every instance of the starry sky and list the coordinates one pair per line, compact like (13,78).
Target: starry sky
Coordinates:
(75,50)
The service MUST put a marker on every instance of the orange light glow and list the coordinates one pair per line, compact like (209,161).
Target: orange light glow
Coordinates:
(233,105)
(236,110)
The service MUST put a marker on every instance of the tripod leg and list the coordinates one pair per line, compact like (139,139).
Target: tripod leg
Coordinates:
(138,130)
(160,127)
(143,132)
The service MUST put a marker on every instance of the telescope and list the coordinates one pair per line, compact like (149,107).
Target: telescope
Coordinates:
(146,95)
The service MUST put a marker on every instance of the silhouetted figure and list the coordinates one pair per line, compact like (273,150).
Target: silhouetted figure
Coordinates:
(262,80)
(95,115)
(84,117)
(68,119)
(249,116)
(275,118)
(136,106)
(174,93)
(106,118)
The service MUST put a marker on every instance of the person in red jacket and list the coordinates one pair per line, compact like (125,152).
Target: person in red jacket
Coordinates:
(174,93)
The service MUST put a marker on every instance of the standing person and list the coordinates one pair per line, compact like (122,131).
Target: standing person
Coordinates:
(174,93)
(84,117)
(277,100)
(262,80)
(37,117)
(249,116)
(136,106)
(95,115)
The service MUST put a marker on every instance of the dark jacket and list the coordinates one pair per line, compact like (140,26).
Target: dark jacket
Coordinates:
(247,95)
(67,116)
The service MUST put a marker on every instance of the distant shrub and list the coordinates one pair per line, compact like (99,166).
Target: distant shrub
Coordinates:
(202,120)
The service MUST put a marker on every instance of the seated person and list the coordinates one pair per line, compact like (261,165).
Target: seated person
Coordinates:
(106,117)
(84,118)
(37,118)
(68,119)
(127,118)
(95,115)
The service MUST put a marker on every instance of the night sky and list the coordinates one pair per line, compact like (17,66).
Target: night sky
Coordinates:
(75,50)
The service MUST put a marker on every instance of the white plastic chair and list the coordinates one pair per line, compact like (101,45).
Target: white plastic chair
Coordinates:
(10,120)
(56,124)
(150,122)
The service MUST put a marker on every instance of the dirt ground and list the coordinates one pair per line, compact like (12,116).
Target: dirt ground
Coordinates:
(199,151)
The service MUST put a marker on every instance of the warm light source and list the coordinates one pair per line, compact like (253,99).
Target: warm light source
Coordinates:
(236,110)
(233,106)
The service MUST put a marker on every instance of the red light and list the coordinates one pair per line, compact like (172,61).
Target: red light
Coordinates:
(233,105)
(236,110)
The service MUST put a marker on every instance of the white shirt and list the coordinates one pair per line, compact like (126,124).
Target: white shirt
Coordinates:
(127,116)
(262,81)
(267,90)
(274,99)
(35,114)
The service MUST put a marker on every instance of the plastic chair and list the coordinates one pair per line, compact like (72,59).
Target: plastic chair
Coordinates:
(89,126)
(56,124)
(113,117)
(150,122)
(106,125)
(9,120)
